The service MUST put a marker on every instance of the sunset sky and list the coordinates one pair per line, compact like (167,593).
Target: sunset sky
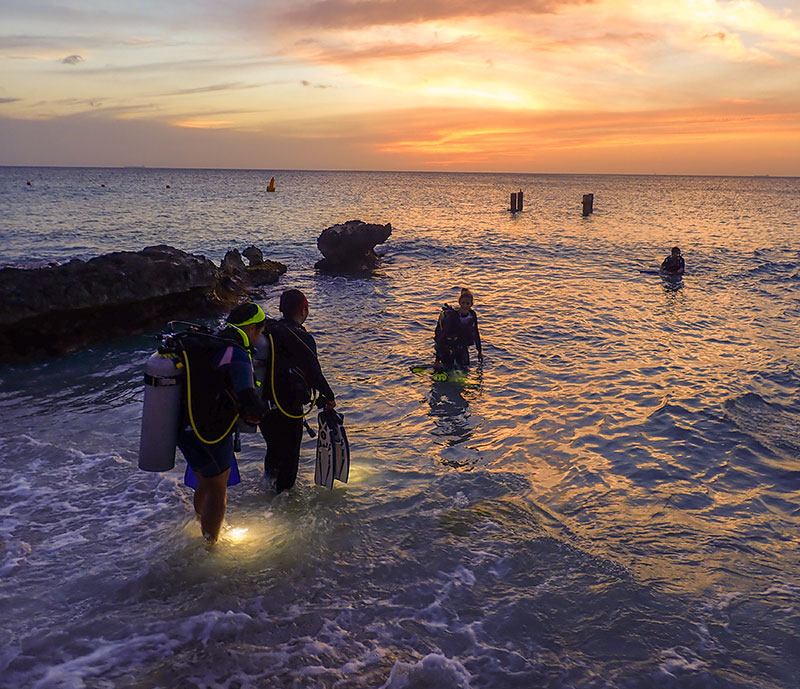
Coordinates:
(656,86)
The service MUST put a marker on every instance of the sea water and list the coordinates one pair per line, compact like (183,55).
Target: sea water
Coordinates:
(611,500)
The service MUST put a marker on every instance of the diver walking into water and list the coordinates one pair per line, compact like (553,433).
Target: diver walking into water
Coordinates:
(456,330)
(674,263)
(293,374)
(219,389)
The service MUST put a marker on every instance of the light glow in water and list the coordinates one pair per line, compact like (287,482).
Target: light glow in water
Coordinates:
(237,534)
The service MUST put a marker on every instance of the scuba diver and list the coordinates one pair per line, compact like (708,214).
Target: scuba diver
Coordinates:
(673,264)
(219,390)
(455,331)
(293,373)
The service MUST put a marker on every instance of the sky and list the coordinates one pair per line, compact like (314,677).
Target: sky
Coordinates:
(540,86)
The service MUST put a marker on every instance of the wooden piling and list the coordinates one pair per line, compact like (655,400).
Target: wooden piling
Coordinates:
(588,203)
(513,203)
(519,200)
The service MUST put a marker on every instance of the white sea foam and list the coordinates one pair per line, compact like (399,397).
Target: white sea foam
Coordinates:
(434,671)
(678,661)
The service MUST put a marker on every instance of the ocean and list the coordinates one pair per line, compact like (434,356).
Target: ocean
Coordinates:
(612,500)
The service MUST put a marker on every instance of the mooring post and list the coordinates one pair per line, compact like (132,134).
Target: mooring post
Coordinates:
(588,202)
(513,203)
(519,200)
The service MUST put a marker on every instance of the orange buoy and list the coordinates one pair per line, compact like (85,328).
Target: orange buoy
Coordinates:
(271,185)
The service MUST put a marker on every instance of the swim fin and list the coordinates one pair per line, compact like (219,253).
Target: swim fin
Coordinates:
(190,478)
(333,450)
(424,369)
(421,368)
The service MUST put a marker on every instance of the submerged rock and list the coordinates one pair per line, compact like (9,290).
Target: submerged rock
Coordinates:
(350,247)
(57,309)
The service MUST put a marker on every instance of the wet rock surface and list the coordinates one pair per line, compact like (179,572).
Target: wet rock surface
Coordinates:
(46,311)
(349,248)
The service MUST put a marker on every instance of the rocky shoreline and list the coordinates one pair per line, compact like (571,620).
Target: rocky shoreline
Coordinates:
(58,309)
(54,310)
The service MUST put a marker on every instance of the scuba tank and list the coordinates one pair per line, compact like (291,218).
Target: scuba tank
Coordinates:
(176,397)
(260,357)
(161,412)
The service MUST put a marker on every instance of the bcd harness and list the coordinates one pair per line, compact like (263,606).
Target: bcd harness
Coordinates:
(209,404)
(300,380)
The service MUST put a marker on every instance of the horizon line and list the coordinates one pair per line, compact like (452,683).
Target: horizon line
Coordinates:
(415,172)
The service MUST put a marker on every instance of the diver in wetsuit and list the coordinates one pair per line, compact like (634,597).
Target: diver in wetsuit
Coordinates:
(673,264)
(222,388)
(455,331)
(292,375)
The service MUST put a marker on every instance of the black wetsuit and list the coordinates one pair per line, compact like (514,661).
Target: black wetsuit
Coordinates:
(297,372)
(454,335)
(673,264)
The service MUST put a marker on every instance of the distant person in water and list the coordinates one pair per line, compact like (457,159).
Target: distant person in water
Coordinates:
(673,264)
(456,331)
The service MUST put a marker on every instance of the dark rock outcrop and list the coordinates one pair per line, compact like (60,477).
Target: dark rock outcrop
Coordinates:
(253,255)
(350,247)
(58,309)
(232,263)
(259,272)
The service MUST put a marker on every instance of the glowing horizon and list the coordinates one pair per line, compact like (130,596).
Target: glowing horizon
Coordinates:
(679,87)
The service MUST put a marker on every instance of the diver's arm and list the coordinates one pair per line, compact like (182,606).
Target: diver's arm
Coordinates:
(317,378)
(326,396)
(477,335)
(478,342)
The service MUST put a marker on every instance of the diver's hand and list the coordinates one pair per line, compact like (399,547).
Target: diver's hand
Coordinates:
(480,357)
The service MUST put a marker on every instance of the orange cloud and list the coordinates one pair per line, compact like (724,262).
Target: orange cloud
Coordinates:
(378,51)
(358,14)
(456,137)
(204,124)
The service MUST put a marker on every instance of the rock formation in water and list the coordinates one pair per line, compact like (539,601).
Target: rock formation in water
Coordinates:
(58,309)
(350,247)
(259,272)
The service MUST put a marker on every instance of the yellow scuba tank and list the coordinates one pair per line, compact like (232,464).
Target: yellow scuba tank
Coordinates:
(163,391)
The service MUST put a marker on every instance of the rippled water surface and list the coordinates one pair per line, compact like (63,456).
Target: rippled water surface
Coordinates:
(612,500)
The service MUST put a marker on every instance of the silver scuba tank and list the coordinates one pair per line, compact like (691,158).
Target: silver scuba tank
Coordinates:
(163,388)
(260,357)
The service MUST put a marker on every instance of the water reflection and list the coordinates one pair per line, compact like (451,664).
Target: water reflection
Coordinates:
(453,418)
(671,283)
(450,412)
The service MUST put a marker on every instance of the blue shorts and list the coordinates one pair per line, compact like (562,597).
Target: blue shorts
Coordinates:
(206,460)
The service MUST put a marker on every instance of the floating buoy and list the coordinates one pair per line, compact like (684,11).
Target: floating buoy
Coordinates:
(271,185)
(169,187)
(30,184)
